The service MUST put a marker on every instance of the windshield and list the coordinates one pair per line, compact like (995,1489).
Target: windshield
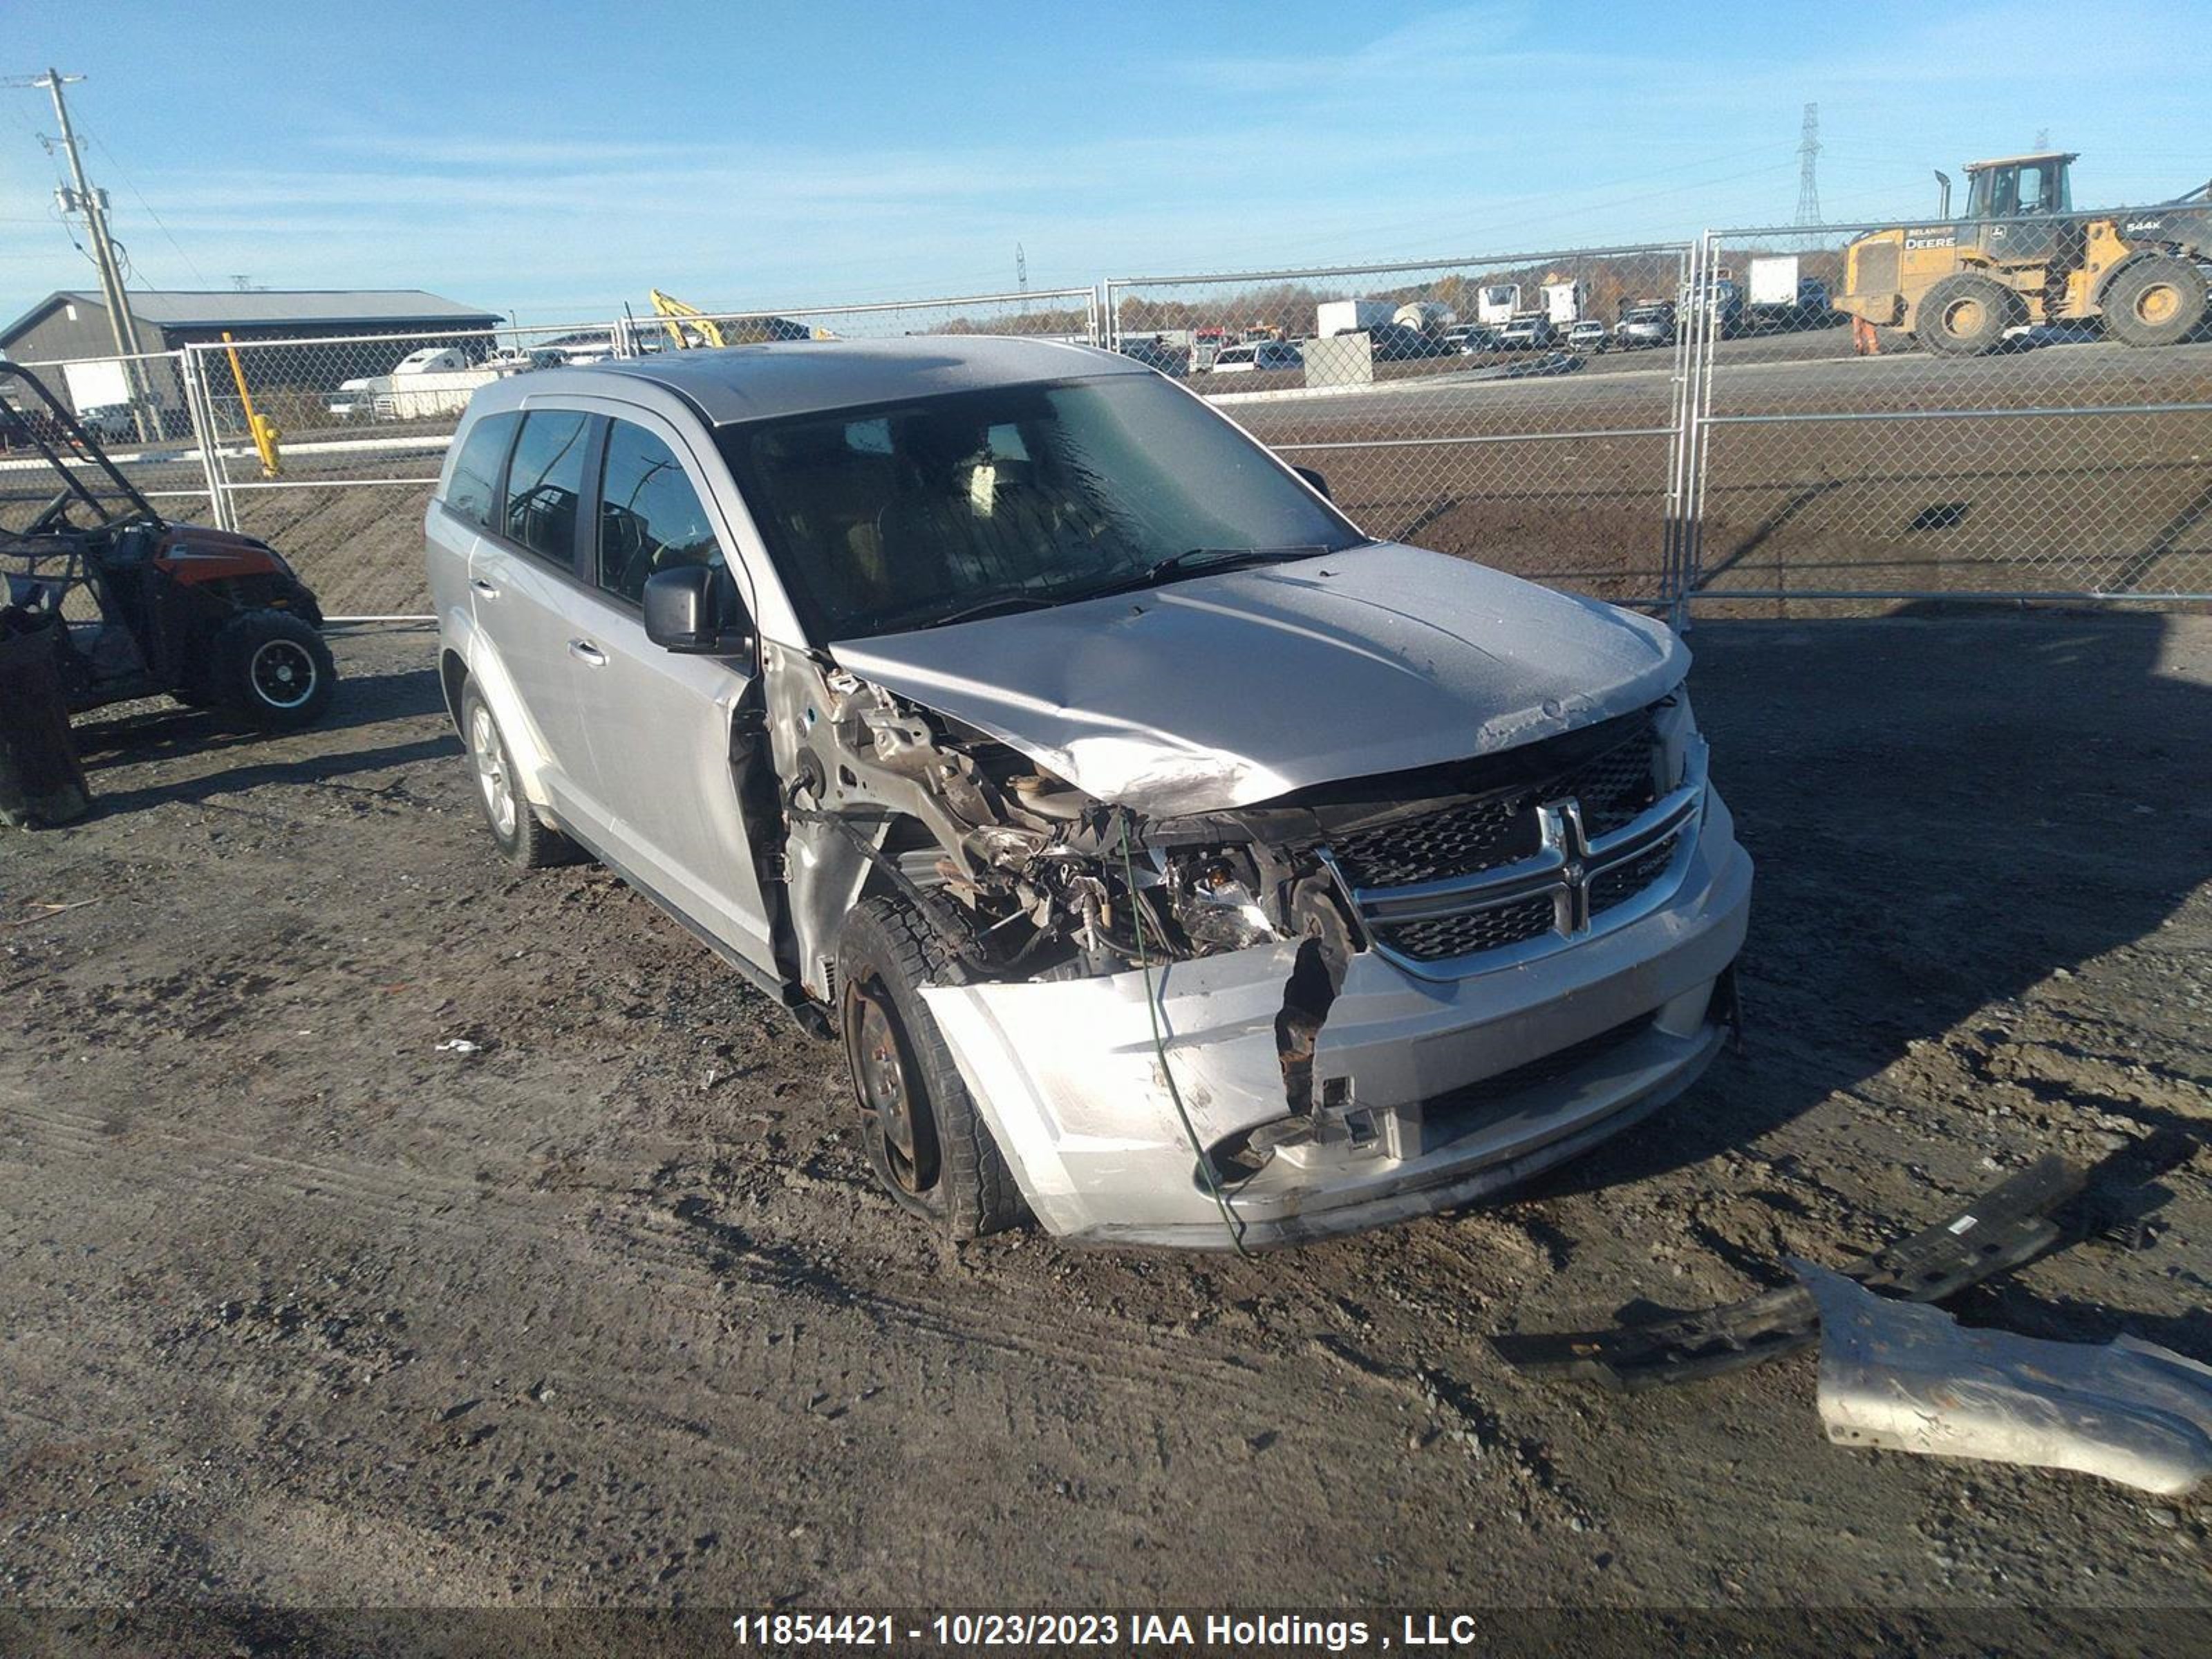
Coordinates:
(895,517)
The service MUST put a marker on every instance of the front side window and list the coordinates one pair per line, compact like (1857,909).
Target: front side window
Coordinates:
(545,482)
(476,470)
(650,518)
(900,517)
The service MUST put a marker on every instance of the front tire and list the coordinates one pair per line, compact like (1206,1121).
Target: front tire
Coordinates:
(2157,302)
(925,1141)
(273,670)
(522,836)
(1966,315)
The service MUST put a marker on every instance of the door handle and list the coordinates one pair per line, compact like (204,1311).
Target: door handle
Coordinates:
(484,587)
(585,651)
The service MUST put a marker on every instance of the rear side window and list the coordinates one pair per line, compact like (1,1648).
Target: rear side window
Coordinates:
(650,518)
(545,482)
(475,474)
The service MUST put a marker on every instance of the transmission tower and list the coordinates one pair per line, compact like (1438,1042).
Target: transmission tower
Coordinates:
(1022,275)
(1808,183)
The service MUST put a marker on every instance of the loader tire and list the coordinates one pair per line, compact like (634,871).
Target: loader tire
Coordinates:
(2157,302)
(1966,315)
(925,1139)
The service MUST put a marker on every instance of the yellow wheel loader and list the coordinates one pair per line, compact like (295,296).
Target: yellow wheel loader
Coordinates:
(2021,255)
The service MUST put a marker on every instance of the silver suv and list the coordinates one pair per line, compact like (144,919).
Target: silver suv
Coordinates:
(1173,861)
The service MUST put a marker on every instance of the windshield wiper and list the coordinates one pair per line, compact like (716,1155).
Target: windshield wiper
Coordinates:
(1192,561)
(1225,558)
(994,604)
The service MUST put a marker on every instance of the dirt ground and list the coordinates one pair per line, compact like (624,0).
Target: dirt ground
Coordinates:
(305,1306)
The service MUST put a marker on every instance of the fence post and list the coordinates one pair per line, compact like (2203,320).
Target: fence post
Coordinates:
(192,367)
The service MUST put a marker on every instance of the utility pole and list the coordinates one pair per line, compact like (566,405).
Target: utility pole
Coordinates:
(1809,184)
(123,327)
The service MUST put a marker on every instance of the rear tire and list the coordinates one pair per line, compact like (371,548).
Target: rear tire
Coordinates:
(1966,315)
(2157,302)
(925,1141)
(272,670)
(523,836)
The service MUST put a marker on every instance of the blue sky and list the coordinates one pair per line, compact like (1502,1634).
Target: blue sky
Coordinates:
(557,160)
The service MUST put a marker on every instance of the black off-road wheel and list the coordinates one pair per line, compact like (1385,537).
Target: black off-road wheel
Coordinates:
(271,670)
(526,840)
(2157,302)
(925,1140)
(1966,315)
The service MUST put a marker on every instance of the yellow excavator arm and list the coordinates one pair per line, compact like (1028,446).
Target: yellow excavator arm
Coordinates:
(680,319)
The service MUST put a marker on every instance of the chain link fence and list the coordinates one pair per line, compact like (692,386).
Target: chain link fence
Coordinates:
(139,409)
(1662,424)
(1520,409)
(1942,445)
(362,424)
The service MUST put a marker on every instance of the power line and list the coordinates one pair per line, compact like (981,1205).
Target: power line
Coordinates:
(131,185)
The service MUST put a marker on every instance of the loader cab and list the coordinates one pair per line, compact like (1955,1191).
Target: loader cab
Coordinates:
(2000,194)
(2021,186)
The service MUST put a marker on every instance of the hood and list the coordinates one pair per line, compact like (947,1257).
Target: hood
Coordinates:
(1225,690)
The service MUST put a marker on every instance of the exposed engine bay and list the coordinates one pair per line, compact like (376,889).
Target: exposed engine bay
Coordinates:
(1025,878)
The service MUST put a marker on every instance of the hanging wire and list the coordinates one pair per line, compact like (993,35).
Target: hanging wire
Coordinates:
(131,185)
(1160,1048)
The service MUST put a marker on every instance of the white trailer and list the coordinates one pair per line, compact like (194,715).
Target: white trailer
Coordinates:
(1425,316)
(1336,317)
(435,381)
(1497,304)
(1774,280)
(1564,300)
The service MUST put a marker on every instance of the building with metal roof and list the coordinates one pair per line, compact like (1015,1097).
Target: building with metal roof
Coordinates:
(70,329)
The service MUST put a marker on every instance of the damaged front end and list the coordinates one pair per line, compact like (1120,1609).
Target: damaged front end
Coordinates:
(1349,1003)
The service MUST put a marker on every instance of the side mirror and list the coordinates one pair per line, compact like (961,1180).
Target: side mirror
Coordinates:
(695,611)
(1320,483)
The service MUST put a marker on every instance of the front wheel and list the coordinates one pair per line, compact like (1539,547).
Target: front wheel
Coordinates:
(273,670)
(925,1140)
(2161,301)
(1966,315)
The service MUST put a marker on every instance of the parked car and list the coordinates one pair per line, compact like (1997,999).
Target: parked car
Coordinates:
(1265,356)
(1588,335)
(109,423)
(1471,339)
(1395,342)
(1527,334)
(1156,353)
(1644,325)
(1023,723)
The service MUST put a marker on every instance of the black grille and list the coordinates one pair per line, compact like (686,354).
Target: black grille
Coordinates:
(1624,881)
(1453,842)
(1613,786)
(1441,937)
(1547,1068)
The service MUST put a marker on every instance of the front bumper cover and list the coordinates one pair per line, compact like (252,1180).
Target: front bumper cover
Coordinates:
(1067,1076)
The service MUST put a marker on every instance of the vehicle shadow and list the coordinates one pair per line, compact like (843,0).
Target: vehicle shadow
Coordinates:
(322,768)
(1947,811)
(162,730)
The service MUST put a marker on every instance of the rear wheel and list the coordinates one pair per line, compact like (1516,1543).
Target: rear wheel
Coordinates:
(1966,315)
(272,670)
(925,1140)
(514,824)
(2157,302)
